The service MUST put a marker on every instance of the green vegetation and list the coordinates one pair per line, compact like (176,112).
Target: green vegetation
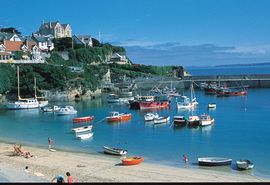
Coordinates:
(10,30)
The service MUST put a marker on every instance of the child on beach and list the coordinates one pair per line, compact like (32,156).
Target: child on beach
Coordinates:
(50,141)
(185,159)
(59,179)
(69,178)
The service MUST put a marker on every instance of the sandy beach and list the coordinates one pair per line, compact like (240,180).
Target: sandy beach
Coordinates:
(99,168)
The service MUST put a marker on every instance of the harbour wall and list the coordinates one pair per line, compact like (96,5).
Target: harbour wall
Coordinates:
(250,80)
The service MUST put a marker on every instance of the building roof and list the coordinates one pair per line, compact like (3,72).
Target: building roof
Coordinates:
(6,36)
(16,45)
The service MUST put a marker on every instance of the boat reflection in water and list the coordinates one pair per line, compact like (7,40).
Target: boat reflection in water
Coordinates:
(26,112)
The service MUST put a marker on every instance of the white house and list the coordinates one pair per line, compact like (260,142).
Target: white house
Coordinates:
(119,59)
(44,42)
(85,40)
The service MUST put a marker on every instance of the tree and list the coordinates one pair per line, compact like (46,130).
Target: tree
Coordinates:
(10,30)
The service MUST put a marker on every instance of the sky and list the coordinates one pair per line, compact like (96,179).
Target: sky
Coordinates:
(159,32)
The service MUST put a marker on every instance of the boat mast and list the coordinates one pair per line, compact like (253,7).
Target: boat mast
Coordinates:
(18,83)
(35,87)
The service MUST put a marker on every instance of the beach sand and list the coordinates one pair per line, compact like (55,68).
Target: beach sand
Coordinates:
(100,168)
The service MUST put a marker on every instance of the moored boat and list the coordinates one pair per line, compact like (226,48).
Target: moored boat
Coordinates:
(150,116)
(83,119)
(85,136)
(114,151)
(193,121)
(179,121)
(212,105)
(116,116)
(244,164)
(67,110)
(206,120)
(154,104)
(214,161)
(51,109)
(132,160)
(161,119)
(82,129)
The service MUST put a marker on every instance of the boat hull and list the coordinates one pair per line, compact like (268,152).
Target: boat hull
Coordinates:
(125,117)
(114,151)
(214,161)
(132,161)
(83,119)
(19,105)
(244,164)
(161,120)
(154,105)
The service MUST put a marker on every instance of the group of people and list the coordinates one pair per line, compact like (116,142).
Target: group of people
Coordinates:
(60,178)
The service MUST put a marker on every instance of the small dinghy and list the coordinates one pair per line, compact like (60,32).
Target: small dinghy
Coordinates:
(161,119)
(212,105)
(132,160)
(85,136)
(83,119)
(150,116)
(214,161)
(244,164)
(82,129)
(114,151)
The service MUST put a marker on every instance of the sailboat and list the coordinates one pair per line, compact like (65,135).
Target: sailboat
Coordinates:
(22,103)
(170,92)
(41,100)
(188,103)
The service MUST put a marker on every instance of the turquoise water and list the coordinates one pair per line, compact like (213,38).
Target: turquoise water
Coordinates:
(241,131)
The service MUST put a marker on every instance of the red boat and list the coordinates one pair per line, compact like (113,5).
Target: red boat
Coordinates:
(154,104)
(232,93)
(132,160)
(83,119)
(116,116)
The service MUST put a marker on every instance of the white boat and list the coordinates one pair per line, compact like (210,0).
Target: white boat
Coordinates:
(150,116)
(193,121)
(161,119)
(206,120)
(214,161)
(188,103)
(113,98)
(212,105)
(244,164)
(67,110)
(114,151)
(51,109)
(22,103)
(82,129)
(85,136)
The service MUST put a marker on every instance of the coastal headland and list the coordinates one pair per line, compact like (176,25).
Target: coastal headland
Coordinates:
(44,165)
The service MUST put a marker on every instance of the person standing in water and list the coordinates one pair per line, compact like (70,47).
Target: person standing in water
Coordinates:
(185,159)
(50,141)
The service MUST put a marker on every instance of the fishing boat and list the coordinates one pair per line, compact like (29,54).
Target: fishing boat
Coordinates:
(22,103)
(179,121)
(244,164)
(212,105)
(212,88)
(232,92)
(113,98)
(85,136)
(154,104)
(150,116)
(51,108)
(83,119)
(116,116)
(132,160)
(114,151)
(193,121)
(206,120)
(161,119)
(214,161)
(67,110)
(188,103)
(82,129)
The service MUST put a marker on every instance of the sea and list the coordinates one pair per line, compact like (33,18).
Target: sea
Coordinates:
(240,131)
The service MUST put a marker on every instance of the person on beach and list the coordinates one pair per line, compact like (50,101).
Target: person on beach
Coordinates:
(59,179)
(50,141)
(69,178)
(185,159)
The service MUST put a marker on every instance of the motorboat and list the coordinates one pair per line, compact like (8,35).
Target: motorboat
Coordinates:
(85,136)
(150,116)
(206,120)
(161,119)
(244,164)
(67,110)
(193,121)
(212,105)
(51,108)
(116,116)
(83,119)
(82,129)
(214,161)
(132,160)
(179,121)
(114,151)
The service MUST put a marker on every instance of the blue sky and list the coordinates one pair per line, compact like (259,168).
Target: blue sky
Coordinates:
(180,32)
